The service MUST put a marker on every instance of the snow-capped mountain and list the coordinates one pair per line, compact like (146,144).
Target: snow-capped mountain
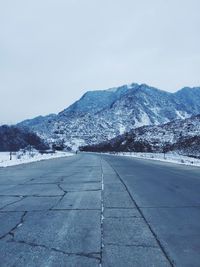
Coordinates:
(182,136)
(101,115)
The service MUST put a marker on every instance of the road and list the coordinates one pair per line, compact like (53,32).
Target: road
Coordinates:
(93,210)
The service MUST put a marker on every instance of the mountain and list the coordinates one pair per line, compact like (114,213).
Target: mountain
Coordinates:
(38,120)
(13,138)
(93,102)
(182,136)
(101,115)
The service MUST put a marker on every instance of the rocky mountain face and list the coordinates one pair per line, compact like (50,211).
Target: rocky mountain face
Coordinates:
(182,136)
(13,138)
(101,115)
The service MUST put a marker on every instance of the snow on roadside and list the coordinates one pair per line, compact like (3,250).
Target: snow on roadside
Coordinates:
(169,157)
(29,157)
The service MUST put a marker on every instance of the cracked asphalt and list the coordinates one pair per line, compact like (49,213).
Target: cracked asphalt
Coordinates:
(99,210)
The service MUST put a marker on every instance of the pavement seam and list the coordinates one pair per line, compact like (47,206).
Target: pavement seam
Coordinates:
(123,217)
(131,245)
(168,207)
(83,190)
(52,210)
(141,213)
(30,195)
(102,216)
(121,208)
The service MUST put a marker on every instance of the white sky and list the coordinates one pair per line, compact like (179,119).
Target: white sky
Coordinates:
(52,51)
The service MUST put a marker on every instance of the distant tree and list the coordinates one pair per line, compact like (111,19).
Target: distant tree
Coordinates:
(59,145)
(166,148)
(13,138)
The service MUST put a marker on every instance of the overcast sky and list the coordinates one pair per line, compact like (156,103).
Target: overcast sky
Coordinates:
(52,51)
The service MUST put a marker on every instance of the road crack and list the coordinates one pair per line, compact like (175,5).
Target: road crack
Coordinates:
(60,187)
(92,255)
(19,224)
(11,203)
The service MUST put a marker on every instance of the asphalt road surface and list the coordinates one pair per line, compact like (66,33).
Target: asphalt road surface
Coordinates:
(93,210)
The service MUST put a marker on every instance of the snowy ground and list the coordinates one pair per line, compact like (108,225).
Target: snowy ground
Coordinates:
(169,157)
(19,158)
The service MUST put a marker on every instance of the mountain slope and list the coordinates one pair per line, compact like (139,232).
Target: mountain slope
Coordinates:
(180,135)
(101,115)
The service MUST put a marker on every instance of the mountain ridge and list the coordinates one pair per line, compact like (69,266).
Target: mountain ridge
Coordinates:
(103,114)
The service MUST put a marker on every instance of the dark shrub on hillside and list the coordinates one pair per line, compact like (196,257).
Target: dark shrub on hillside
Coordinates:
(13,138)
